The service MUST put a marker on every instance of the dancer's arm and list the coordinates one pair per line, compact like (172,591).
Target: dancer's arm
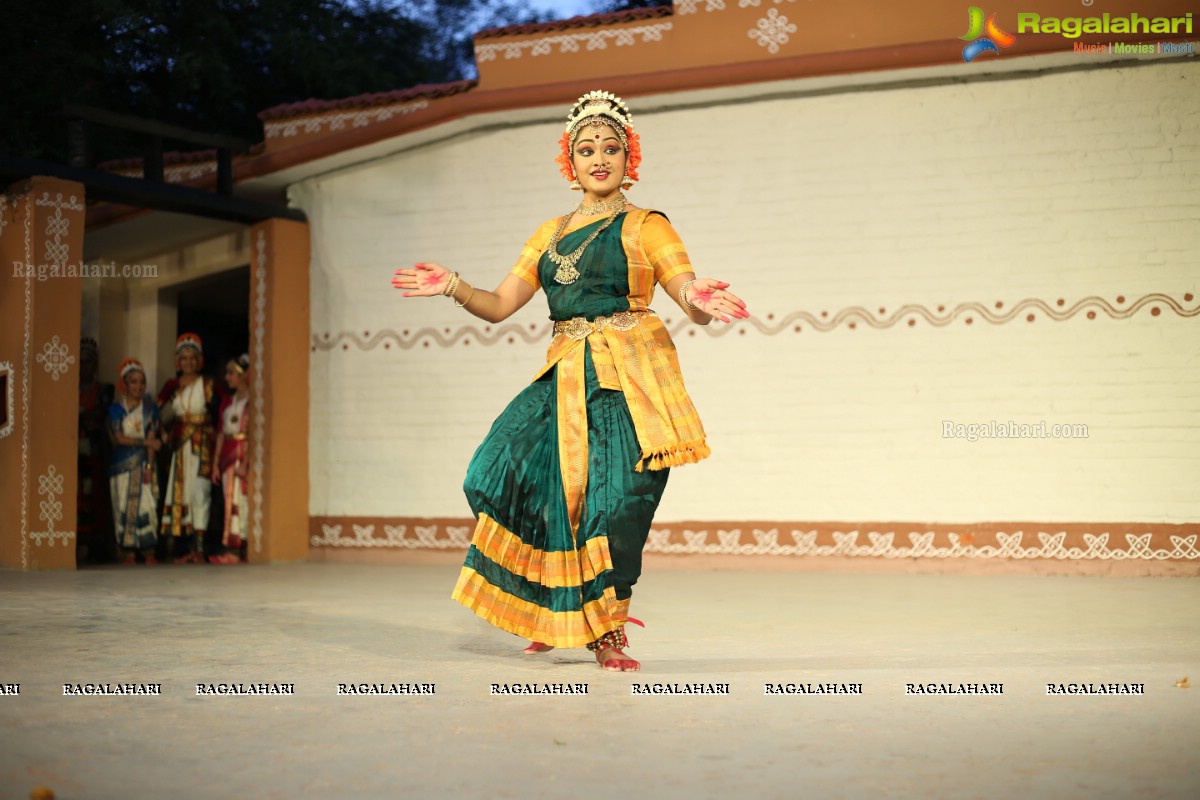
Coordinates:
(429,280)
(700,298)
(128,441)
(709,296)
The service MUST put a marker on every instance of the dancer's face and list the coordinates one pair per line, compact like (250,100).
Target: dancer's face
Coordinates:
(189,361)
(135,385)
(234,378)
(599,160)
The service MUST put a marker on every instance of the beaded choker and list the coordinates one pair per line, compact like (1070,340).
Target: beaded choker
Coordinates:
(603,206)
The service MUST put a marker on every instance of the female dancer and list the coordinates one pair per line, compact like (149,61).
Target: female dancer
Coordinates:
(185,402)
(230,469)
(565,485)
(132,475)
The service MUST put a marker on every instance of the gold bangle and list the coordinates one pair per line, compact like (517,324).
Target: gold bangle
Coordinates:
(683,296)
(464,302)
(451,285)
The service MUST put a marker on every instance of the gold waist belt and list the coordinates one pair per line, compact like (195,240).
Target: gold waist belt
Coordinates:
(237,437)
(581,328)
(194,419)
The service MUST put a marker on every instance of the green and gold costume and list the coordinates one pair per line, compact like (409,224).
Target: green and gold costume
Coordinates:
(565,485)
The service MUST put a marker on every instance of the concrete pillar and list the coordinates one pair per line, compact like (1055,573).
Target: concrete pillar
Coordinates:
(41,253)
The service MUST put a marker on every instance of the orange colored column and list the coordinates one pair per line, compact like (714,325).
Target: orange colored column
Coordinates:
(279,347)
(41,251)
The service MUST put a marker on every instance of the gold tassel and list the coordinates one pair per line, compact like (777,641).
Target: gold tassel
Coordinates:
(674,456)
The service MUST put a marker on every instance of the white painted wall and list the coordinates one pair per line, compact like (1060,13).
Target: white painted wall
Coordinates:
(1069,185)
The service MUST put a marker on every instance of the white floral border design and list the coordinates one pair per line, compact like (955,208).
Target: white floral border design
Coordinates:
(51,486)
(338,120)
(772,31)
(259,433)
(573,42)
(58,226)
(26,359)
(920,545)
(178,173)
(425,537)
(876,544)
(685,7)
(56,357)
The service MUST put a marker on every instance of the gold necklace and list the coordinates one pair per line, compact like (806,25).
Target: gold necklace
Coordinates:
(603,206)
(566,272)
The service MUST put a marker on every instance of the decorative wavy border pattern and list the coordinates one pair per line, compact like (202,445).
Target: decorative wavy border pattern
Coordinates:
(339,120)
(258,431)
(178,173)
(26,365)
(1174,542)
(588,41)
(424,537)
(685,7)
(795,322)
(920,545)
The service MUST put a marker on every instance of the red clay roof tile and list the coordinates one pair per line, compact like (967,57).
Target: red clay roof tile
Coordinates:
(591,21)
(314,106)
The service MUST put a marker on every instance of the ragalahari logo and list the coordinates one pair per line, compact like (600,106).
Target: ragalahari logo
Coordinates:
(978,43)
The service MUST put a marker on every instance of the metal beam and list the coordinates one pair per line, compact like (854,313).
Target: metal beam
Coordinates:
(77,143)
(160,129)
(225,170)
(152,160)
(149,194)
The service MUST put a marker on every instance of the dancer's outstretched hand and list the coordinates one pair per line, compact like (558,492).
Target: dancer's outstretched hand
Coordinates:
(424,280)
(711,297)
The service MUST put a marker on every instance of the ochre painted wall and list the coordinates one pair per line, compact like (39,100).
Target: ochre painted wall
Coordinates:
(279,351)
(41,246)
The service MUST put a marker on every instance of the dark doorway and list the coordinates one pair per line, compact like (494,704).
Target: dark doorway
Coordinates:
(217,309)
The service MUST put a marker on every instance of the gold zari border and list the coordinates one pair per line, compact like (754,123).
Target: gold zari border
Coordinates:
(531,621)
(551,569)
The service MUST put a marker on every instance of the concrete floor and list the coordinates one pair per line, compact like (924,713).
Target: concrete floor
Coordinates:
(317,625)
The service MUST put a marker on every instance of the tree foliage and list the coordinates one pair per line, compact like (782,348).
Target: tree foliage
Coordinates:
(212,65)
